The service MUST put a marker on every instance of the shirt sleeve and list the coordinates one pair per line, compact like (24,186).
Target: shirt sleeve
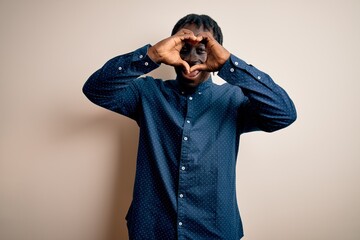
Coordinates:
(113,86)
(268,107)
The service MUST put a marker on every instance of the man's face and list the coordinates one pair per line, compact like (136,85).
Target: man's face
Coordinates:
(193,53)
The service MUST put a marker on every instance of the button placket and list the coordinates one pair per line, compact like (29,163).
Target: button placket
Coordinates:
(184,163)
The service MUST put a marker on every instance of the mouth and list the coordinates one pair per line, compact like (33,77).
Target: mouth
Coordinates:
(191,75)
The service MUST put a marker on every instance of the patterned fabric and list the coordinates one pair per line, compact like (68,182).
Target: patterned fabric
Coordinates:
(188,145)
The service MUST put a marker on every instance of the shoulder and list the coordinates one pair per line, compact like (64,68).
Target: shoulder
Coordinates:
(148,84)
(146,81)
(227,87)
(229,93)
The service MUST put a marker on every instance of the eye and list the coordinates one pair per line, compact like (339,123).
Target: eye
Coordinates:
(201,50)
(185,49)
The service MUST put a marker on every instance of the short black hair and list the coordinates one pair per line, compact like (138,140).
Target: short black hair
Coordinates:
(200,20)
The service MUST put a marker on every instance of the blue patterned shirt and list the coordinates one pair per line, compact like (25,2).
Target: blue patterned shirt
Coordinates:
(188,145)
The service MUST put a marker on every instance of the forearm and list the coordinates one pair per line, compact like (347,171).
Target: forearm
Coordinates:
(109,82)
(271,105)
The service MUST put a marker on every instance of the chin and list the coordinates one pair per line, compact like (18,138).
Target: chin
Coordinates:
(189,83)
(192,80)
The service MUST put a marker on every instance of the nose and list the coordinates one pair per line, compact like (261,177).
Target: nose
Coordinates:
(192,57)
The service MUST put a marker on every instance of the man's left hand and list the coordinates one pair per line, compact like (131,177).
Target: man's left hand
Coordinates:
(217,55)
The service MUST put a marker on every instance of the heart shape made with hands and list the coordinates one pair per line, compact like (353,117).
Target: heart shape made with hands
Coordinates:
(191,42)
(216,54)
(167,51)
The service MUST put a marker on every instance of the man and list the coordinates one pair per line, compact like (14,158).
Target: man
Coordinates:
(189,129)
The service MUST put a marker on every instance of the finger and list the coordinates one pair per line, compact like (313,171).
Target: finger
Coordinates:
(199,67)
(186,34)
(185,65)
(207,37)
(189,36)
(192,39)
(199,38)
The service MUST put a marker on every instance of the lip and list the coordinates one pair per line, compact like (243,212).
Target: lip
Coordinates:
(191,75)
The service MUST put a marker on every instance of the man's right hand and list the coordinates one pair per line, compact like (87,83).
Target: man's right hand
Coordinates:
(168,50)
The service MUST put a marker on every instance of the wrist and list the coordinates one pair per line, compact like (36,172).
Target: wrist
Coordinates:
(224,56)
(152,53)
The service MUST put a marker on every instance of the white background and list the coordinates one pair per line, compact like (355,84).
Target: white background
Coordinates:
(67,166)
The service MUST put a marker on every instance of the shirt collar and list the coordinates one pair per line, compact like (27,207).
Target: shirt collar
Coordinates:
(200,88)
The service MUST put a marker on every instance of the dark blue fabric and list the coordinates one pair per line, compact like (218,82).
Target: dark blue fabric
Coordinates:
(188,144)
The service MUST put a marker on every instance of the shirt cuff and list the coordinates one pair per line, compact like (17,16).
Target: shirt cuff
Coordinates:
(141,58)
(136,62)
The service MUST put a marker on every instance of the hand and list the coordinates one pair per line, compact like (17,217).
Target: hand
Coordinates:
(217,55)
(168,50)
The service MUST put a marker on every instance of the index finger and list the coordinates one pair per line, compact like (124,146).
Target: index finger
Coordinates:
(206,36)
(186,34)
(199,67)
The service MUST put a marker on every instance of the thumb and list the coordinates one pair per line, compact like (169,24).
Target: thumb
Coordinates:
(199,67)
(185,65)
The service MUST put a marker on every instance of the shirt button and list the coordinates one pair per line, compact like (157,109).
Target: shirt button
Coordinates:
(236,63)
(141,56)
(259,77)
(232,70)
(200,93)
(180,223)
(183,168)
(181,195)
(120,68)
(146,63)
(188,121)
(185,138)
(190,98)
